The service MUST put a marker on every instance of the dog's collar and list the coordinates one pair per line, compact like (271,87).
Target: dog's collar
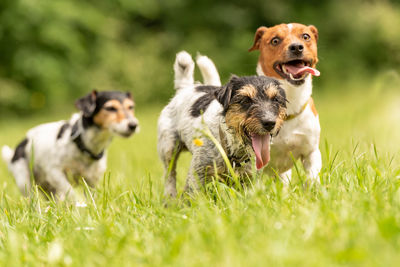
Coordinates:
(292,116)
(79,143)
(233,159)
(77,139)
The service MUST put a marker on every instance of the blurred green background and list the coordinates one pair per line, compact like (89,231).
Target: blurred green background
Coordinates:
(51,52)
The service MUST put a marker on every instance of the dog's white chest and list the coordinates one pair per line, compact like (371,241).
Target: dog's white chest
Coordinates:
(82,166)
(297,138)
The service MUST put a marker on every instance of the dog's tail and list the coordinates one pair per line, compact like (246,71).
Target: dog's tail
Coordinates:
(184,70)
(208,71)
(7,153)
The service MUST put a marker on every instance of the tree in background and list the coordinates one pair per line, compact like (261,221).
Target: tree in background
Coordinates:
(53,51)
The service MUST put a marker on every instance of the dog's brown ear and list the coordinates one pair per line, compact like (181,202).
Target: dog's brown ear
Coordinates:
(257,38)
(128,95)
(314,30)
(225,94)
(87,104)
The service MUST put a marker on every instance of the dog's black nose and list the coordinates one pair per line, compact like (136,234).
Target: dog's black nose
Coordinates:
(132,126)
(296,49)
(268,125)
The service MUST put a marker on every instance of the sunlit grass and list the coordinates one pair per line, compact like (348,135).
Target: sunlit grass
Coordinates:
(352,218)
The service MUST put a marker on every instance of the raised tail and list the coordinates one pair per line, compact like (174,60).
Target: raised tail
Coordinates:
(7,153)
(208,71)
(184,70)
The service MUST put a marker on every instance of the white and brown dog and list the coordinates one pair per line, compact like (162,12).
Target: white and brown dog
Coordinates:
(73,149)
(288,53)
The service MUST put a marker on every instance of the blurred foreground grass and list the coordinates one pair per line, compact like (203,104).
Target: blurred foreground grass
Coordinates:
(352,218)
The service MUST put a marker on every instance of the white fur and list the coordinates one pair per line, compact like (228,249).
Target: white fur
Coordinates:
(298,136)
(208,70)
(7,153)
(290,27)
(184,70)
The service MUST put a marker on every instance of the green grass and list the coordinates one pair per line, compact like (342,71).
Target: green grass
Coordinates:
(352,218)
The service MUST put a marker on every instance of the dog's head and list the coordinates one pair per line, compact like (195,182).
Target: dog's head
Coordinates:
(109,110)
(287,51)
(254,107)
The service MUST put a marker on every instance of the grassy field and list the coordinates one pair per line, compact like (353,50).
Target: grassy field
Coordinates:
(352,218)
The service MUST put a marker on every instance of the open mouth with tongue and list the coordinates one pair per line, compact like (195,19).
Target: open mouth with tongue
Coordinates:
(261,146)
(295,71)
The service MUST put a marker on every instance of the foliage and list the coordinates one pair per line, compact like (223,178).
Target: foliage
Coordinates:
(55,51)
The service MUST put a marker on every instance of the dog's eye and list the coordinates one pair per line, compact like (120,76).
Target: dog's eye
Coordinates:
(130,107)
(111,109)
(306,37)
(245,102)
(281,100)
(275,41)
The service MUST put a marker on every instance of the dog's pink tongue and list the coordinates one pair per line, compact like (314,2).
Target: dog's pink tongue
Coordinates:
(260,145)
(299,69)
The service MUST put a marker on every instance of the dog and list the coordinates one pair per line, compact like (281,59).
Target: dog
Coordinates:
(288,52)
(242,115)
(73,149)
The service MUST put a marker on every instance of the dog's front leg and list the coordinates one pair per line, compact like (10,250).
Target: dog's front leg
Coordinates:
(59,182)
(312,164)
(198,172)
(192,183)
(95,172)
(286,177)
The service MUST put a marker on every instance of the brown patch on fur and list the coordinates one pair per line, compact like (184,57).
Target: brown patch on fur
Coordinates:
(252,125)
(281,119)
(248,90)
(271,91)
(106,117)
(235,118)
(269,54)
(128,105)
(257,38)
(312,106)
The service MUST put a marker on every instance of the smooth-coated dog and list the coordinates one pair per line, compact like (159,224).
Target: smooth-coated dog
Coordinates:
(242,115)
(288,52)
(61,151)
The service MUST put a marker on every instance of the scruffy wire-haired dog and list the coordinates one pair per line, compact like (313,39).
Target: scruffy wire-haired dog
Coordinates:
(74,148)
(242,115)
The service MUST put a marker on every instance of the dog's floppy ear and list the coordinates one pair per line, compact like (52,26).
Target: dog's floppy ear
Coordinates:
(87,104)
(257,38)
(314,30)
(225,94)
(128,95)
